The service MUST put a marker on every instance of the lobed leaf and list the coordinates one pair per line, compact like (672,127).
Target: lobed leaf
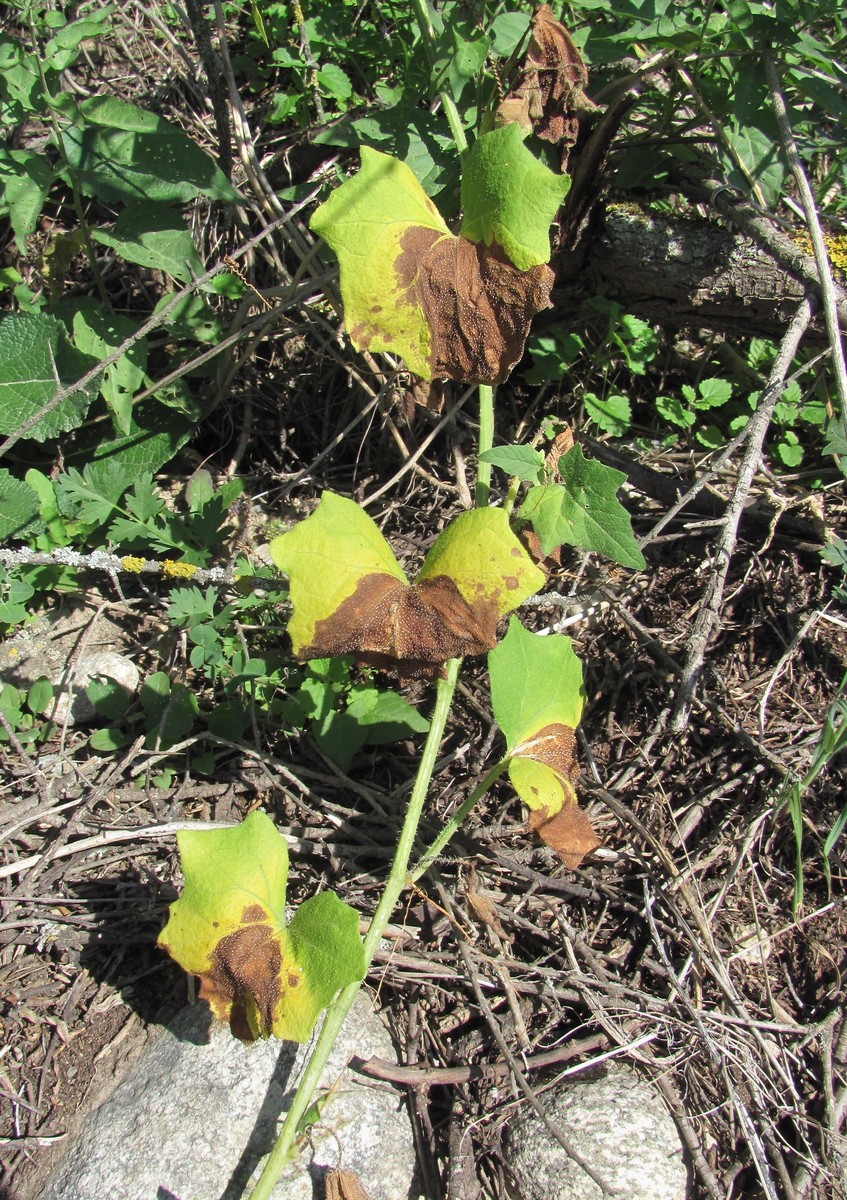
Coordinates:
(584,511)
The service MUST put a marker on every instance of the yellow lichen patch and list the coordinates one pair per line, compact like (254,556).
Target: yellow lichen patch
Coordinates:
(130,563)
(836,247)
(177,570)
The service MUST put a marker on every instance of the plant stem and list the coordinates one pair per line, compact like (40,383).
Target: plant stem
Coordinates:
(486,441)
(431,853)
(397,881)
(451,112)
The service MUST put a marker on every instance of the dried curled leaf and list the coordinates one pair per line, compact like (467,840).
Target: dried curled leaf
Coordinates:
(551,90)
(546,767)
(344,1185)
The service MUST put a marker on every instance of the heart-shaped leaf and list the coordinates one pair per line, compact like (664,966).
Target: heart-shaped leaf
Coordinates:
(537,699)
(262,975)
(350,596)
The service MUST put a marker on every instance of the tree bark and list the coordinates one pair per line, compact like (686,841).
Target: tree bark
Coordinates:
(678,272)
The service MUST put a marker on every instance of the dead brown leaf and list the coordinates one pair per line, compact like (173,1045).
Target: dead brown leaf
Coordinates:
(411,629)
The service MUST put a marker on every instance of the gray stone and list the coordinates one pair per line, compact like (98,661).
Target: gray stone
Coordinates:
(618,1124)
(198,1110)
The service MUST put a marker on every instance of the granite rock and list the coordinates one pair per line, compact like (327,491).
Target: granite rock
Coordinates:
(619,1124)
(195,1114)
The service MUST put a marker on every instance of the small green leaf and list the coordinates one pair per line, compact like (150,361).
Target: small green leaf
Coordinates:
(712,393)
(108,697)
(673,410)
(789,449)
(40,696)
(524,462)
(26,179)
(107,740)
(710,436)
(335,82)
(584,512)
(509,197)
(229,928)
(98,333)
(613,414)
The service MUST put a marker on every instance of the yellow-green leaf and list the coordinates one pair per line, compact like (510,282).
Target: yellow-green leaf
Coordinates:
(229,928)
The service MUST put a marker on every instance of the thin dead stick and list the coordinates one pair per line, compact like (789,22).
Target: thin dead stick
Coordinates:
(153,322)
(827,283)
(424,1076)
(517,1074)
(709,613)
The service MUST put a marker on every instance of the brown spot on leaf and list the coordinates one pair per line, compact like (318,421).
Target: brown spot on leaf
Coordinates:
(293,980)
(245,963)
(477,304)
(568,831)
(553,78)
(253,913)
(412,629)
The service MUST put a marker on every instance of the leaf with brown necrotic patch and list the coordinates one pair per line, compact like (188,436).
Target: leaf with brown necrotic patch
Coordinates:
(262,974)
(452,307)
(537,699)
(350,596)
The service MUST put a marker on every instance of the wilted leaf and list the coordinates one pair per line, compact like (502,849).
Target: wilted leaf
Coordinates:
(554,76)
(450,308)
(350,596)
(229,928)
(537,699)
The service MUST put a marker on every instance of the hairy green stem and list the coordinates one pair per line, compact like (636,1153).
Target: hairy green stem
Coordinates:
(397,881)
(451,112)
(432,852)
(486,441)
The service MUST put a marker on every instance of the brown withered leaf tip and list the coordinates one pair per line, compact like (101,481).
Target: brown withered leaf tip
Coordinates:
(344,1185)
(477,304)
(245,963)
(554,76)
(410,629)
(568,831)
